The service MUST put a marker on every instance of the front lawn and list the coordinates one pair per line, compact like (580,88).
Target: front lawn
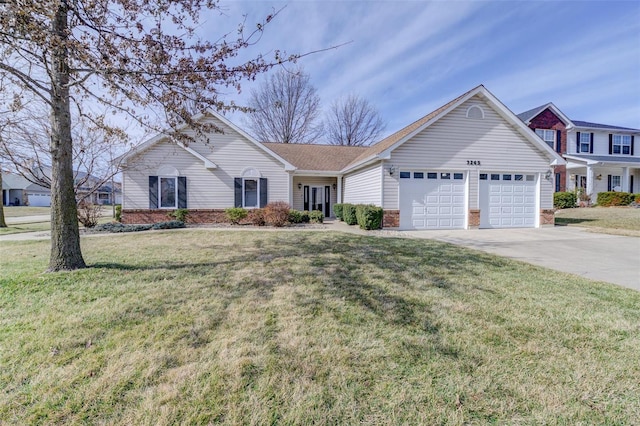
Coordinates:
(204,327)
(20,211)
(620,218)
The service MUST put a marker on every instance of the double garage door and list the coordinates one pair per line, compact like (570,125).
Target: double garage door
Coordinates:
(37,199)
(438,200)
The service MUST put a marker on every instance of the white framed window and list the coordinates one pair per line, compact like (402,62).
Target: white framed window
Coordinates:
(549,136)
(622,144)
(616,183)
(250,193)
(168,192)
(585,142)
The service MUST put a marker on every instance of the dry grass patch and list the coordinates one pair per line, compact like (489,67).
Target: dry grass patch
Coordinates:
(309,328)
(608,218)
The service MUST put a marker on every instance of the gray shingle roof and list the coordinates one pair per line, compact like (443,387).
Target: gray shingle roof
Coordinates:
(608,158)
(590,125)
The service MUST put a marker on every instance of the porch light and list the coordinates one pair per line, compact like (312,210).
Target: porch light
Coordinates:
(599,177)
(548,174)
(392,170)
(334,186)
(299,185)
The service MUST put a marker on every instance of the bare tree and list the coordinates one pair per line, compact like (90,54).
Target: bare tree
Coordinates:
(285,109)
(353,121)
(3,223)
(131,57)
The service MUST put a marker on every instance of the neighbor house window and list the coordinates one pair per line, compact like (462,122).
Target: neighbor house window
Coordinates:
(250,190)
(622,144)
(167,192)
(549,136)
(585,142)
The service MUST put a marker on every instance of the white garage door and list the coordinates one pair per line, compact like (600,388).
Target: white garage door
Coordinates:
(37,199)
(432,200)
(507,200)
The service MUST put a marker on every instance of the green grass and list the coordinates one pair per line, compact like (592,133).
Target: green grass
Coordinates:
(26,227)
(203,327)
(19,211)
(616,218)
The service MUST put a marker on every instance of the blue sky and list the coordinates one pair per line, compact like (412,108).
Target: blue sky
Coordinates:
(410,57)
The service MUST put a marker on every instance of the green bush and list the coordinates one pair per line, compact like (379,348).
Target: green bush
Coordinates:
(337,210)
(369,216)
(295,216)
(636,198)
(564,200)
(180,215)
(119,227)
(316,216)
(349,214)
(277,213)
(305,216)
(118,213)
(607,199)
(172,224)
(235,214)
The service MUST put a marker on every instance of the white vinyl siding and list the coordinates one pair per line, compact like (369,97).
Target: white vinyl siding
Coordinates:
(364,186)
(207,188)
(454,140)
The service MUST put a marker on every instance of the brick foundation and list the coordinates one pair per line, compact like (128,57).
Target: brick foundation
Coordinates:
(547,217)
(196,216)
(391,219)
(474,219)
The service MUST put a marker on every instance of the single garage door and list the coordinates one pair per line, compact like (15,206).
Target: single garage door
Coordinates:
(37,199)
(432,200)
(507,200)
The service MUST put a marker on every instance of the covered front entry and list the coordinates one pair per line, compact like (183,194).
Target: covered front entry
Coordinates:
(432,200)
(507,200)
(318,198)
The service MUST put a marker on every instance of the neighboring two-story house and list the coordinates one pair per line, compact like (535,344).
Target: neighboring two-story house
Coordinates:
(600,157)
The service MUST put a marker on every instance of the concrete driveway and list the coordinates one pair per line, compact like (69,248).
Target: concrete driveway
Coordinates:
(611,258)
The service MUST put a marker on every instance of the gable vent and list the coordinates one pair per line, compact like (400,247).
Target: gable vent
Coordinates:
(475,112)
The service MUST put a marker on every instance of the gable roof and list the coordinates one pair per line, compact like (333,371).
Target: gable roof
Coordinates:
(383,148)
(208,164)
(313,157)
(527,116)
(589,125)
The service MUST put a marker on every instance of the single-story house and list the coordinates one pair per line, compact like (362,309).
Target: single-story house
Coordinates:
(470,163)
(18,191)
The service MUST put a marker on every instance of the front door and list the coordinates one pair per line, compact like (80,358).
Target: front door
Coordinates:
(317,198)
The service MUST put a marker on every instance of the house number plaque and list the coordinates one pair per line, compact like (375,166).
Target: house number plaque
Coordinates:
(473,162)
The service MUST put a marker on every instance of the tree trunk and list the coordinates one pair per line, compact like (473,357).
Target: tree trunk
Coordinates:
(65,234)
(3,224)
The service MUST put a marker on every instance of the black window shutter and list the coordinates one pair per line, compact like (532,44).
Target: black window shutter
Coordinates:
(632,140)
(578,143)
(631,184)
(237,190)
(610,145)
(263,192)
(153,192)
(558,141)
(608,182)
(591,144)
(327,201)
(182,192)
(306,198)
(557,182)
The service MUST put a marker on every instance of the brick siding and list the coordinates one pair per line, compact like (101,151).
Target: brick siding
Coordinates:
(474,218)
(548,120)
(391,219)
(547,217)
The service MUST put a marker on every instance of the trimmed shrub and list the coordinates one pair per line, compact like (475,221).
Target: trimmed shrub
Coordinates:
(337,210)
(564,200)
(118,213)
(369,217)
(316,216)
(119,227)
(305,216)
(235,214)
(295,216)
(172,224)
(89,213)
(256,217)
(611,198)
(349,214)
(277,213)
(180,215)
